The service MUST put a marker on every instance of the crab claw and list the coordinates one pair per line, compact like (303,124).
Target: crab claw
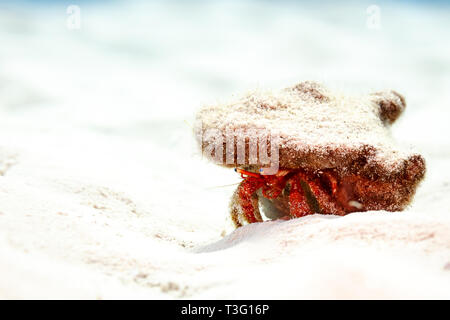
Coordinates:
(244,203)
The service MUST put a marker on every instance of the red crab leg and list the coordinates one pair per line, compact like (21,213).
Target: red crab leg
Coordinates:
(333,182)
(245,201)
(273,186)
(326,202)
(297,200)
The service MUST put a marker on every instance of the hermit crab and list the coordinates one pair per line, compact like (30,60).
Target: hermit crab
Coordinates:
(305,149)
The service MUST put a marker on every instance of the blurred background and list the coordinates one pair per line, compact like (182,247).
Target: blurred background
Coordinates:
(116,65)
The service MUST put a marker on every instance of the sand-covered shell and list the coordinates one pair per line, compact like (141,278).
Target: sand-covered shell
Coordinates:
(313,128)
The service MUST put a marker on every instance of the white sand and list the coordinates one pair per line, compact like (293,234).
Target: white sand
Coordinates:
(102,195)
